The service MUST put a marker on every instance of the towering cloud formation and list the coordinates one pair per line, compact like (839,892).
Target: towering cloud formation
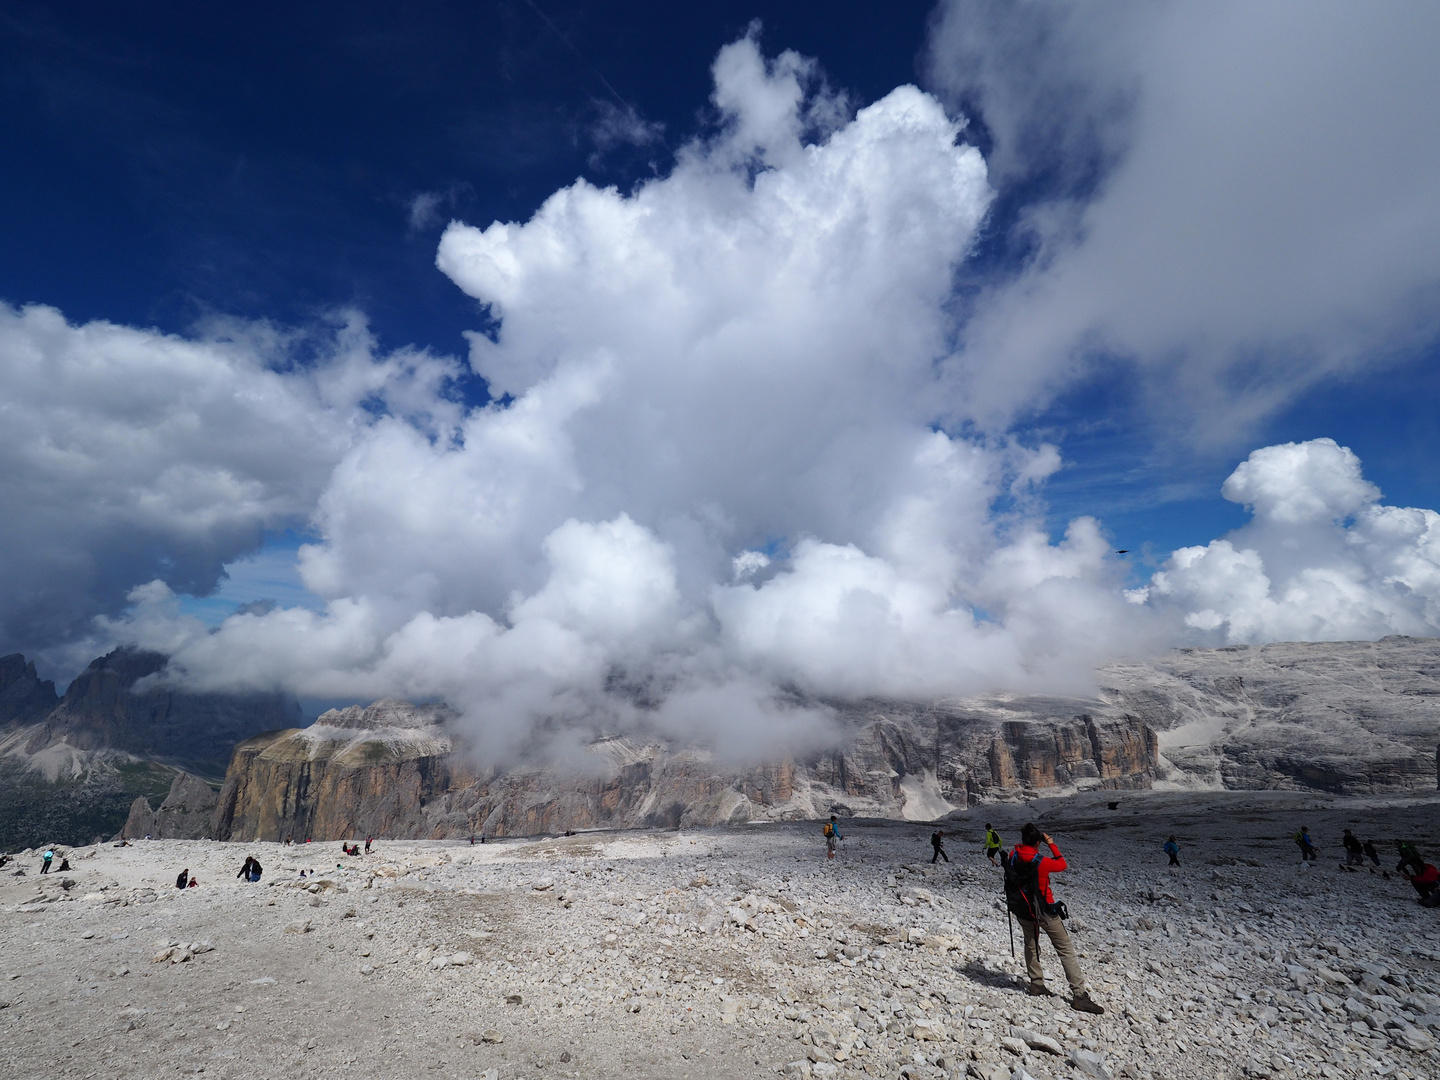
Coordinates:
(721,474)
(717,468)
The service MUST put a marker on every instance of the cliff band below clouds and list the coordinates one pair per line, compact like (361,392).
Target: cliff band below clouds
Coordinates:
(1347,717)
(392,770)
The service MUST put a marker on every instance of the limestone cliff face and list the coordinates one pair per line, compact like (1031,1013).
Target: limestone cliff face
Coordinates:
(393,770)
(355,771)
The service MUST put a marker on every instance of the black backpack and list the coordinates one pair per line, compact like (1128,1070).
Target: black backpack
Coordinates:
(1022,889)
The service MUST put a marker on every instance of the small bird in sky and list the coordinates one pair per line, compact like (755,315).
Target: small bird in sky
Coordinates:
(1123,551)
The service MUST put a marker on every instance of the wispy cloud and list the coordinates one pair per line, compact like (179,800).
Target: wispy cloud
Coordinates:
(1235,202)
(428,210)
(621,125)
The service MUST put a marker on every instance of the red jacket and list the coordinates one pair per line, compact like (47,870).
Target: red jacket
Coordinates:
(1051,865)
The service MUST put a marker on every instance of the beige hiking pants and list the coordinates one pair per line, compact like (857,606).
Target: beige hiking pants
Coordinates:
(1064,948)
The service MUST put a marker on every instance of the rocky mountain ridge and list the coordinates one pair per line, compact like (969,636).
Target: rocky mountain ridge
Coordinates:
(1343,717)
(113,705)
(71,765)
(362,773)
(1350,717)
(1346,717)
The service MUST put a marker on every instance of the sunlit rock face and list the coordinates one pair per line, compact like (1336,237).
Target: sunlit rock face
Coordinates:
(1350,717)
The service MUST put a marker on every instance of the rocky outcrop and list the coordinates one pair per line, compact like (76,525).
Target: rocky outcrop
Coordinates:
(354,771)
(393,770)
(1350,717)
(114,706)
(186,813)
(25,698)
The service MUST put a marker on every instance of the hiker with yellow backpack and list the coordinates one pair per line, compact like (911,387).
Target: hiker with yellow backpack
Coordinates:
(832,836)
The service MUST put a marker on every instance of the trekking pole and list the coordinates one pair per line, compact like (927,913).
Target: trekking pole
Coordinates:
(1010,923)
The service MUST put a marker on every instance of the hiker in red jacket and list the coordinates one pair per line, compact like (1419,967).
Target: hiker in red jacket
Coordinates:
(1427,882)
(1028,896)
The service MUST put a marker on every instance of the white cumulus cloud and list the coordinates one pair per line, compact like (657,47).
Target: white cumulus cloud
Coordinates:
(128,454)
(726,471)
(1322,559)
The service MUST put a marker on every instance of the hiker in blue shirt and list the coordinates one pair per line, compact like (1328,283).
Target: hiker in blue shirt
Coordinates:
(1173,850)
(1307,847)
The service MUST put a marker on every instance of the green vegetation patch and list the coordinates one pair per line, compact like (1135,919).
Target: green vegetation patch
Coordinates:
(375,751)
(34,811)
(146,778)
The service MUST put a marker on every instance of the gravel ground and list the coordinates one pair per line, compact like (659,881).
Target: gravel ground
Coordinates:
(736,952)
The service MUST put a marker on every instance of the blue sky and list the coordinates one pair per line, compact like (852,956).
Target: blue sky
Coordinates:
(166,165)
(1176,253)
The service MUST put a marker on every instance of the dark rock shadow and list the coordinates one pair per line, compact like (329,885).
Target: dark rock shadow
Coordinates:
(979,972)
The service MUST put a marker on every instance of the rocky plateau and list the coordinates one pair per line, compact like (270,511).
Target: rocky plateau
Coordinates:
(738,951)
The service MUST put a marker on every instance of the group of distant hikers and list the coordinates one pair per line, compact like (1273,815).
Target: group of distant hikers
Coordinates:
(47,860)
(1425,877)
(1030,900)
(250,870)
(1028,895)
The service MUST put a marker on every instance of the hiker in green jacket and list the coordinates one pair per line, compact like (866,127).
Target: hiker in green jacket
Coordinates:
(992,844)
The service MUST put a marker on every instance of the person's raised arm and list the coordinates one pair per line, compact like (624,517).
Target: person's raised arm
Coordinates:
(1055,855)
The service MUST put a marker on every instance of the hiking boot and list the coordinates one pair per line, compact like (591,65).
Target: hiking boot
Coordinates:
(1039,990)
(1084,1003)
